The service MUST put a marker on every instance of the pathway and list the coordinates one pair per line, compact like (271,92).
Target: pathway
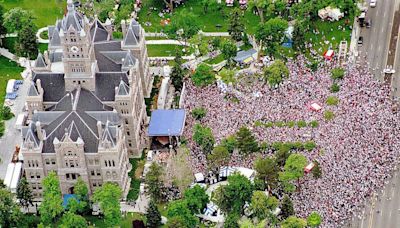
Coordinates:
(160,34)
(40,40)
(4,52)
(174,42)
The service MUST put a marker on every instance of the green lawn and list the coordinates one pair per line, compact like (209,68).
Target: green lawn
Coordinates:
(45,11)
(328,30)
(162,50)
(8,70)
(207,21)
(96,221)
(215,60)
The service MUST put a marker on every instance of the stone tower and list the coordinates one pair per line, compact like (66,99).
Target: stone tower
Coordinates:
(79,64)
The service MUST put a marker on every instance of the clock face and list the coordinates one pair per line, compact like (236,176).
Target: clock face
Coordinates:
(74,49)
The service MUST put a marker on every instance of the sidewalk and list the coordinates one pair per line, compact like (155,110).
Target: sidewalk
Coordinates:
(174,42)
(4,52)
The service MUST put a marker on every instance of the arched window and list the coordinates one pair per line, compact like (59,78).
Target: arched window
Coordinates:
(108,174)
(113,163)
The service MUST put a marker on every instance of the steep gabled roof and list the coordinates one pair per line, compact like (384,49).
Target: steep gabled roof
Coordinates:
(129,61)
(32,90)
(123,89)
(55,38)
(39,62)
(131,38)
(98,32)
(30,135)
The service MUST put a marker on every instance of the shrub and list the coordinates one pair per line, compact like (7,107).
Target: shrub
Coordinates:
(314,124)
(203,137)
(309,145)
(337,73)
(332,100)
(5,113)
(329,115)
(258,123)
(291,124)
(229,143)
(301,123)
(335,88)
(199,113)
(280,124)
(269,124)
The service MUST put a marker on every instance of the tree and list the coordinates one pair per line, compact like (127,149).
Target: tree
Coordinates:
(287,207)
(316,171)
(51,206)
(314,219)
(176,222)
(337,73)
(229,143)
(271,34)
(294,168)
(267,170)
(17,18)
(24,193)
(9,210)
(246,142)
(108,197)
(216,43)
(276,72)
(177,73)
(236,26)
(70,219)
(232,197)
(228,50)
(184,26)
(203,76)
(247,223)
(153,216)
(154,182)
(294,222)
(199,113)
(232,221)
(259,204)
(27,45)
(203,137)
(3,30)
(81,191)
(218,157)
(260,5)
(5,113)
(300,28)
(227,76)
(208,4)
(196,199)
(179,208)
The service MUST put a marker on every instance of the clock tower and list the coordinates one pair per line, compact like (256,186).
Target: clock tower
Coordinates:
(78,61)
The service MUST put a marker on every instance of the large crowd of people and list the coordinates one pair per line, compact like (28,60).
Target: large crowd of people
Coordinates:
(357,150)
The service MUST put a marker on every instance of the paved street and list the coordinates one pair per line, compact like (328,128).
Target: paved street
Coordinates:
(12,136)
(376,38)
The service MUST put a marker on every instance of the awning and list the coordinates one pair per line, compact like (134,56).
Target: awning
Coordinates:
(167,122)
(248,60)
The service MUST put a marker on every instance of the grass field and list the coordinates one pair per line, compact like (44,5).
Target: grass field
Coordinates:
(45,11)
(8,70)
(207,21)
(161,50)
(126,222)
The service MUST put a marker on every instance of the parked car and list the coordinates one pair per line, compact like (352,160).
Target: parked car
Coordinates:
(372,3)
(360,41)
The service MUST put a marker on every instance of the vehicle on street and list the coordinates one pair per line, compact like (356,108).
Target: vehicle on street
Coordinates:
(360,41)
(368,23)
(372,3)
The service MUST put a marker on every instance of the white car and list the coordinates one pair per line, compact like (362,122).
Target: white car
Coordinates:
(372,3)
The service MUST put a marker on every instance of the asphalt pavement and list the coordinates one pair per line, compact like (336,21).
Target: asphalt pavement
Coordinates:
(12,136)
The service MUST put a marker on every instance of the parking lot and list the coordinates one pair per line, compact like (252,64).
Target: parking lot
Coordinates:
(12,136)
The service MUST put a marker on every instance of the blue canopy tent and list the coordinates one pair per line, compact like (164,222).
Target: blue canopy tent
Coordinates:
(164,124)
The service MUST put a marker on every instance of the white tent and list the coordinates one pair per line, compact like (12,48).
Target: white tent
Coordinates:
(199,177)
(226,171)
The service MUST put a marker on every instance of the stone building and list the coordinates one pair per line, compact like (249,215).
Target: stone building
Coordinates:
(86,109)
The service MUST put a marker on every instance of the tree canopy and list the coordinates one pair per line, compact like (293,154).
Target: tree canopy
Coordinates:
(70,219)
(154,182)
(267,170)
(228,50)
(51,206)
(271,34)
(231,197)
(294,222)
(9,210)
(287,207)
(314,219)
(236,26)
(218,157)
(276,72)
(196,199)
(246,141)
(153,216)
(184,26)
(108,196)
(203,137)
(24,193)
(203,76)
(294,168)
(17,18)
(179,208)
